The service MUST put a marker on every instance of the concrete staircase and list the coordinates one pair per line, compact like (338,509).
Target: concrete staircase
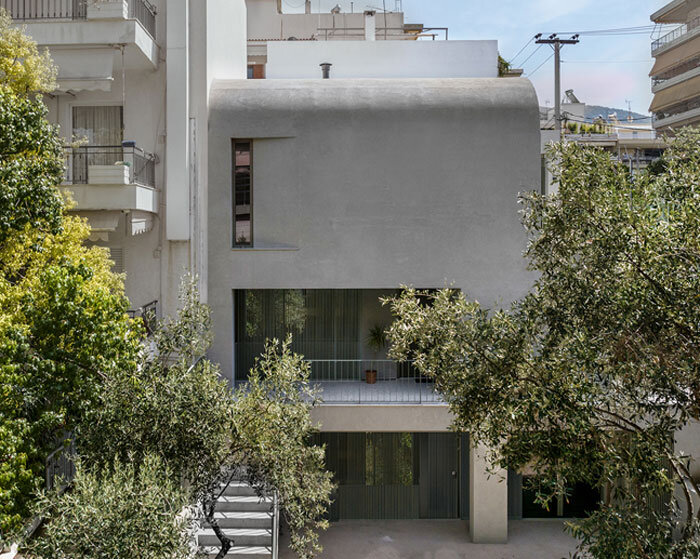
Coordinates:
(248,520)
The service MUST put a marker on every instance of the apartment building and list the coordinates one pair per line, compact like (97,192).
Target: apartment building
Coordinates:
(676,72)
(131,103)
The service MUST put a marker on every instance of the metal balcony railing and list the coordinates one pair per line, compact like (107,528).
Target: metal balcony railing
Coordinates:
(361,381)
(148,313)
(677,33)
(45,9)
(82,160)
(145,12)
(60,466)
(141,10)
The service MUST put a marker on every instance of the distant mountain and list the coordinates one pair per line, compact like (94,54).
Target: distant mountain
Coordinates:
(594,111)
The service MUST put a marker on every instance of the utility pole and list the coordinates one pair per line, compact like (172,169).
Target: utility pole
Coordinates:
(556,43)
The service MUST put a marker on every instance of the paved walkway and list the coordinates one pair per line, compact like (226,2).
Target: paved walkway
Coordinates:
(438,539)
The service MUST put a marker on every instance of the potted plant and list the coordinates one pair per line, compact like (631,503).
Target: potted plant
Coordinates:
(376,341)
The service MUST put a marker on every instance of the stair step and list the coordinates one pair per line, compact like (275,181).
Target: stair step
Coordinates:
(239,552)
(245,519)
(240,536)
(238,503)
(241,488)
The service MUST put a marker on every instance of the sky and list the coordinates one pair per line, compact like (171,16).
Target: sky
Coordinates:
(602,70)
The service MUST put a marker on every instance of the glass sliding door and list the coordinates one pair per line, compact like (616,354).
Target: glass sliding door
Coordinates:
(324,324)
(100,131)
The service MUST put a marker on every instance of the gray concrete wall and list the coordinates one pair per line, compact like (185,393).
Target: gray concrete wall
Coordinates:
(382,419)
(372,184)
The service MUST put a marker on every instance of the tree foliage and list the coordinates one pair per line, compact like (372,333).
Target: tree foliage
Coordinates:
(173,405)
(272,440)
(589,376)
(63,329)
(176,406)
(116,513)
(63,326)
(23,68)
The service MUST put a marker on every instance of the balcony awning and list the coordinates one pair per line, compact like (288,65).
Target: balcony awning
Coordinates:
(84,70)
(676,56)
(676,94)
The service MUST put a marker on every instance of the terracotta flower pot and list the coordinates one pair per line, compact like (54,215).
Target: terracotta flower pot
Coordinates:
(370,377)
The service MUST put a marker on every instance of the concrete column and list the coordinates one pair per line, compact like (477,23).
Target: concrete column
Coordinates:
(177,156)
(370,25)
(488,500)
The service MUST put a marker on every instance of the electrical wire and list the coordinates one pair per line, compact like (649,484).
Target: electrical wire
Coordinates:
(530,74)
(531,55)
(521,50)
(638,30)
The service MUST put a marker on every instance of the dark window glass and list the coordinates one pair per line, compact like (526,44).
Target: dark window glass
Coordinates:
(242,194)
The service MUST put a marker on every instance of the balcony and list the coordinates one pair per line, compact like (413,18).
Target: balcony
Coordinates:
(111,178)
(339,333)
(674,35)
(37,10)
(346,382)
(82,37)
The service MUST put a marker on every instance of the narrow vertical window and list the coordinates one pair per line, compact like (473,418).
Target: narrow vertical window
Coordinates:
(242,194)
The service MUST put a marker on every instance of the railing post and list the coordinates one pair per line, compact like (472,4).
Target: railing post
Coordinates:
(275,527)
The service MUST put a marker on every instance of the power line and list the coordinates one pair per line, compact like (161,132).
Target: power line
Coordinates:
(530,74)
(521,50)
(531,55)
(648,61)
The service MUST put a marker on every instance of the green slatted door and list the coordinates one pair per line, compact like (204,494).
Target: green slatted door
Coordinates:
(439,474)
(393,475)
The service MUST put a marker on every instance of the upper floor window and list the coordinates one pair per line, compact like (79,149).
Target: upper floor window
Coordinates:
(242,193)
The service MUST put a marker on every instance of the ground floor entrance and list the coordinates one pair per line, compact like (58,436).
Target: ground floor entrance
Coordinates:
(396,475)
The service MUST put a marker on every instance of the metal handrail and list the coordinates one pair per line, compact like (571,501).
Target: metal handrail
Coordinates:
(275,526)
(391,382)
(148,313)
(79,159)
(59,464)
(24,10)
(677,33)
(144,12)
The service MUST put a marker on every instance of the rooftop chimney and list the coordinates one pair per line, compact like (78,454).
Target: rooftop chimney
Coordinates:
(307,6)
(326,69)
(370,25)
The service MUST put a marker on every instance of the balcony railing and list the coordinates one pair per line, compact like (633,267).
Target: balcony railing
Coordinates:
(148,313)
(677,33)
(90,165)
(143,11)
(362,381)
(45,9)
(60,466)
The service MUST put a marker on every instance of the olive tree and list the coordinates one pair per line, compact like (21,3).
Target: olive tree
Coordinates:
(590,375)
(175,405)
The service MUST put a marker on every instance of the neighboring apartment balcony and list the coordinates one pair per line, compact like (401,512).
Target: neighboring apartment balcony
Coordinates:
(676,37)
(111,178)
(37,10)
(88,37)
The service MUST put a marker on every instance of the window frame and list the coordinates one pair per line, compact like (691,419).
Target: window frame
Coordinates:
(234,242)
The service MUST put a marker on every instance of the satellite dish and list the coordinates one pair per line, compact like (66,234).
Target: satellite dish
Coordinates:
(336,10)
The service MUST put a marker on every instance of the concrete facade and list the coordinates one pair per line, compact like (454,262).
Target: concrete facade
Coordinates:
(372,184)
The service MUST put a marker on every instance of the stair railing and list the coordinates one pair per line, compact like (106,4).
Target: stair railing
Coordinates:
(275,526)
